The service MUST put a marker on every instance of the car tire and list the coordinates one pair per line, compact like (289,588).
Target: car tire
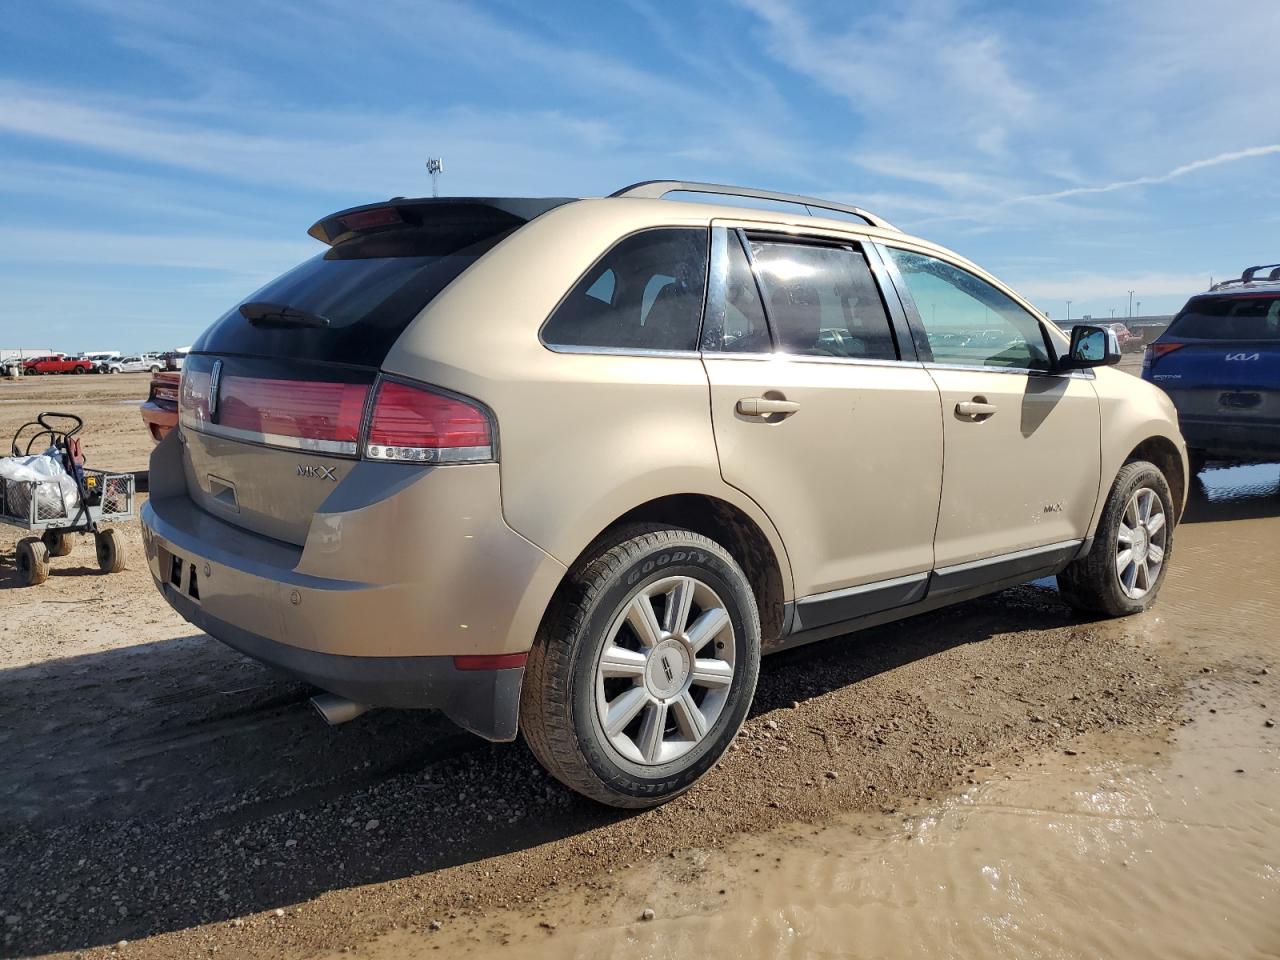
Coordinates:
(108,544)
(57,542)
(154,369)
(33,561)
(1105,580)
(693,679)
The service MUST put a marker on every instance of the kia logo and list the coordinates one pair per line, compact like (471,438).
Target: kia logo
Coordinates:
(1243,356)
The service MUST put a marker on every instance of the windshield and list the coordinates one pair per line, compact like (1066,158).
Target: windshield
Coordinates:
(1249,316)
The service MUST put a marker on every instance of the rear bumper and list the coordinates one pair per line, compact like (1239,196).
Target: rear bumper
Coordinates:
(1234,439)
(486,702)
(393,581)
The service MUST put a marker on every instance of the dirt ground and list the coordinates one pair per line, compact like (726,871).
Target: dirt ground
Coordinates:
(160,789)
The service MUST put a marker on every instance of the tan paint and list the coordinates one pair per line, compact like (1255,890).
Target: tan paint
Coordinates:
(821,472)
(846,491)
(471,585)
(1024,477)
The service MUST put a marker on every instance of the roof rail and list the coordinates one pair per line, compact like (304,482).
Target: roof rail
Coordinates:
(657,189)
(1251,276)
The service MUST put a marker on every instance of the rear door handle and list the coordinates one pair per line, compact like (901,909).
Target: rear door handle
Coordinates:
(975,409)
(765,407)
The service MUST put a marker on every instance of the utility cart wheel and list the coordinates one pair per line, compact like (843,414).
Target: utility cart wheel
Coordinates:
(33,561)
(58,542)
(110,548)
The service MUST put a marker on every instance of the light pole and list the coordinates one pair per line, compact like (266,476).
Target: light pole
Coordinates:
(1139,313)
(1130,303)
(1068,311)
(1113,313)
(435,167)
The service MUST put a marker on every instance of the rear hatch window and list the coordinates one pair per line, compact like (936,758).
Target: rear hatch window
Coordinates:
(276,393)
(356,298)
(1247,316)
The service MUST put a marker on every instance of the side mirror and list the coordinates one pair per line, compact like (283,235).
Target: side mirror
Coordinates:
(1091,347)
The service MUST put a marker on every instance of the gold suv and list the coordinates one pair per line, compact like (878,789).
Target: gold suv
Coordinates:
(569,467)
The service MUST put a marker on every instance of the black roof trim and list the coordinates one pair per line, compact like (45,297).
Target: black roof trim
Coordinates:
(414,212)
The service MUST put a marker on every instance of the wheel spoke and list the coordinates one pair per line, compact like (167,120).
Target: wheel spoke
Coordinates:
(1143,574)
(624,708)
(707,627)
(712,673)
(1155,553)
(1144,507)
(1155,524)
(643,621)
(1131,512)
(688,717)
(1123,559)
(652,728)
(679,600)
(1125,536)
(621,662)
(1129,577)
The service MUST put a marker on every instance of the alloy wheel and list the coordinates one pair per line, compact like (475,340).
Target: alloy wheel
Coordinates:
(664,674)
(1141,543)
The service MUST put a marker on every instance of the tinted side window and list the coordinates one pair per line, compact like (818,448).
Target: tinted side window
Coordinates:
(968,321)
(644,294)
(823,301)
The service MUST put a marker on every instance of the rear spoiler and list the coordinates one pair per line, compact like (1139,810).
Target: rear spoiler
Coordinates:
(400,213)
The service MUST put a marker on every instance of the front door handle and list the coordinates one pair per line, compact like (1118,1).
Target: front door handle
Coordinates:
(766,407)
(976,409)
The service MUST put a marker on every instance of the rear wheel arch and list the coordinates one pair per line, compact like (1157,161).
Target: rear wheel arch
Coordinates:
(725,524)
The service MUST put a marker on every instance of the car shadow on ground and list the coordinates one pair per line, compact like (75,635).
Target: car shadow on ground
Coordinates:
(181,776)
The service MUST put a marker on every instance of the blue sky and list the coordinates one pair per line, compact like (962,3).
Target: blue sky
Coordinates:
(160,160)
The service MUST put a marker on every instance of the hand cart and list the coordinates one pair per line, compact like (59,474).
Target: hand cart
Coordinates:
(41,507)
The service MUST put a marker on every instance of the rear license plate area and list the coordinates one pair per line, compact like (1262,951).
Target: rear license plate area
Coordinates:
(1240,400)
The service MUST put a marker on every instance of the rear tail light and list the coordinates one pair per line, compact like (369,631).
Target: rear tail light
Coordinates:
(1155,351)
(411,423)
(378,419)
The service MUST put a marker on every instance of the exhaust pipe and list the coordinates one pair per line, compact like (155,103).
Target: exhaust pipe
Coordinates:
(336,709)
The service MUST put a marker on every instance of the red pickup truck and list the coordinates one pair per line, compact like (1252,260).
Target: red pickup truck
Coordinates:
(56,363)
(160,411)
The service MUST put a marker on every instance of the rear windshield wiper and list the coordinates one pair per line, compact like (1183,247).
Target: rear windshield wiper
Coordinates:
(278,315)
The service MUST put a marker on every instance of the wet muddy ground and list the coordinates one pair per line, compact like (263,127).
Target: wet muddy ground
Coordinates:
(159,789)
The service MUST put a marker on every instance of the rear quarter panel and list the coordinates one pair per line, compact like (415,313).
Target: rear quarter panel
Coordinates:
(583,438)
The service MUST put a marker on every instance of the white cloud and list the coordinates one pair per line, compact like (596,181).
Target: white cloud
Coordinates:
(1174,174)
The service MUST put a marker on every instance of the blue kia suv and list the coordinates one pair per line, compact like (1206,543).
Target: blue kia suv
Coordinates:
(1219,361)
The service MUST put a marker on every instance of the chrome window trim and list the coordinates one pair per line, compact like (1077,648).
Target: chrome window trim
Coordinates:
(623,352)
(804,358)
(1022,371)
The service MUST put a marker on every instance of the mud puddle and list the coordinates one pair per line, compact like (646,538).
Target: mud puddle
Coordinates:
(1120,845)
(1126,847)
